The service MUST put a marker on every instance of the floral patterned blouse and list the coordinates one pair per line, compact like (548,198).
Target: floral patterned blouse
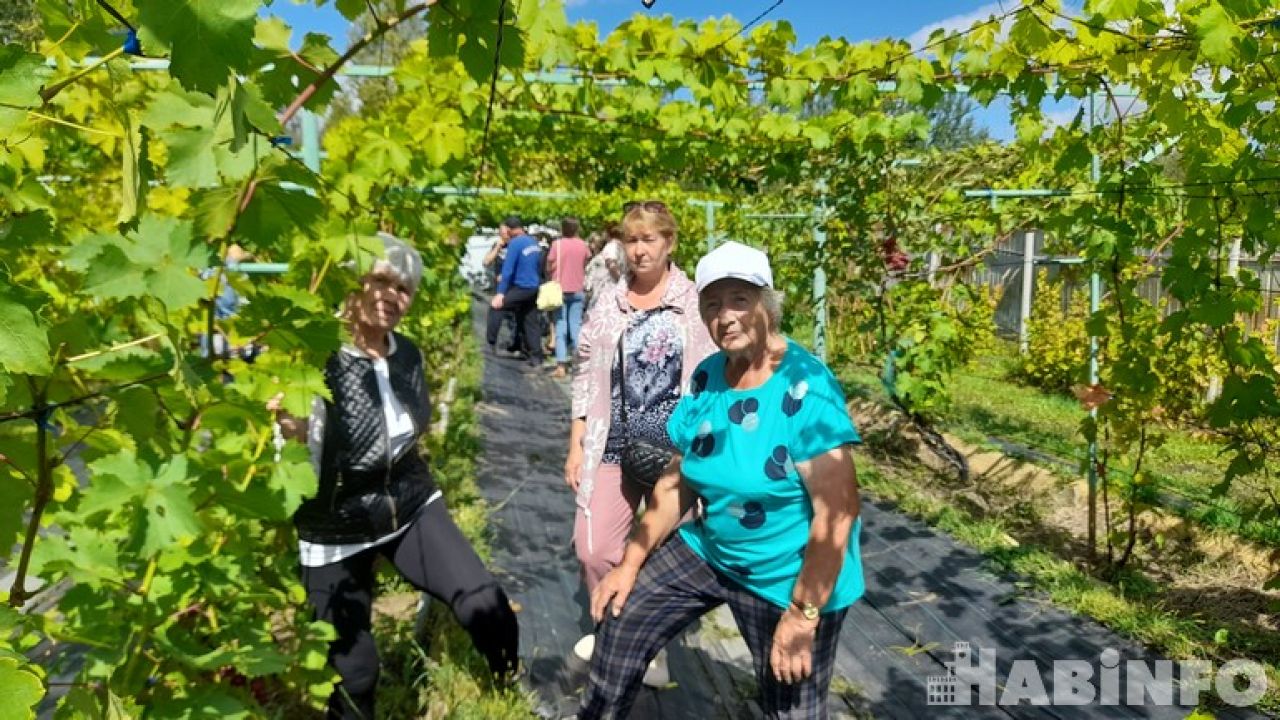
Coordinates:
(653,346)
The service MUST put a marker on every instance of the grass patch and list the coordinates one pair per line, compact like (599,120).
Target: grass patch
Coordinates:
(990,410)
(1131,607)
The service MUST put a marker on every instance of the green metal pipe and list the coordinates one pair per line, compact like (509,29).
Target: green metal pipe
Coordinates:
(259,268)
(1027,193)
(310,140)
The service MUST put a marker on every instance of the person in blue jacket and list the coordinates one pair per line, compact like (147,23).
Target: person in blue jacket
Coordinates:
(518,289)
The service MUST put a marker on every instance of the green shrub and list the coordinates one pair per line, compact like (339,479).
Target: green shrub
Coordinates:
(1058,344)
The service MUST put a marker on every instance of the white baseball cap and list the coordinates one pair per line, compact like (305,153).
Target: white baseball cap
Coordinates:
(734,260)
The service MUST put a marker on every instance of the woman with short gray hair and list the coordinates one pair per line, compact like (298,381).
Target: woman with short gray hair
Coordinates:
(375,494)
(763,440)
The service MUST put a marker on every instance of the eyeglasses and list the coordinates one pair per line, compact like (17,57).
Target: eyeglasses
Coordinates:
(649,205)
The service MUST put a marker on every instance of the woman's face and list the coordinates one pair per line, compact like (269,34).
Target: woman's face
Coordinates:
(382,301)
(735,316)
(647,251)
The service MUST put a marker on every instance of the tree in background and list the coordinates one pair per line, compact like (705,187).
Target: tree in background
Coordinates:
(18,22)
(371,94)
(951,124)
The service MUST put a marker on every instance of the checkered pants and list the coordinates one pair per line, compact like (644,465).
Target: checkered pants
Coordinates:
(674,588)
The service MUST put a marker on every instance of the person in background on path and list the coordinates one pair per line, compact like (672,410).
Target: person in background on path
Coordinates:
(651,315)
(546,318)
(493,260)
(225,306)
(518,290)
(567,263)
(376,496)
(606,264)
(764,448)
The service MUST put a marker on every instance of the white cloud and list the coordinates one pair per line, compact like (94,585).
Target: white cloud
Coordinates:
(961,22)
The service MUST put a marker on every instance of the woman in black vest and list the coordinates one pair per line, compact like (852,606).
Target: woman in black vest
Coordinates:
(376,496)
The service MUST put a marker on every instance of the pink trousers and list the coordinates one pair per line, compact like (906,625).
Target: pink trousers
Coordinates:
(601,530)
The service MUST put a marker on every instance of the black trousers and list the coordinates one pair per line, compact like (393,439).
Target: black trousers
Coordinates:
(523,304)
(436,558)
(497,319)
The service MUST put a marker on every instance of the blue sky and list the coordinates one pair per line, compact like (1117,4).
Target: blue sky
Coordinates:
(811,19)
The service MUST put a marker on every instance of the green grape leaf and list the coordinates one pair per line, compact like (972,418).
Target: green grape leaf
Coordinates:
(350,9)
(133,171)
(207,39)
(1116,9)
(139,413)
(15,497)
(27,229)
(20,689)
(24,342)
(89,556)
(250,112)
(126,364)
(1030,128)
(272,34)
(216,210)
(121,483)
(113,275)
(278,373)
(205,703)
(191,158)
(174,106)
(1218,34)
(171,515)
(113,483)
(22,74)
(275,211)
(164,247)
(386,153)
(296,480)
(82,26)
(283,76)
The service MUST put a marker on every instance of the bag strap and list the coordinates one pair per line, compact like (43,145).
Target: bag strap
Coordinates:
(622,365)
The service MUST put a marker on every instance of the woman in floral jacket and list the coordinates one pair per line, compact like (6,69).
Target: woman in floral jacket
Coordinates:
(652,315)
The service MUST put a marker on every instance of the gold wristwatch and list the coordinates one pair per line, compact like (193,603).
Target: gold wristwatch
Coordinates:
(808,610)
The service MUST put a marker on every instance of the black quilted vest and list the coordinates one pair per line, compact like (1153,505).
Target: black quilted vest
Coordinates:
(365,494)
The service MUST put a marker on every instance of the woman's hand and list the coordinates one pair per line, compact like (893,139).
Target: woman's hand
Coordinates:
(290,427)
(792,654)
(573,467)
(613,591)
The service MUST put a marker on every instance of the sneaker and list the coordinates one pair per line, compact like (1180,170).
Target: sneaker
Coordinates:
(585,647)
(657,674)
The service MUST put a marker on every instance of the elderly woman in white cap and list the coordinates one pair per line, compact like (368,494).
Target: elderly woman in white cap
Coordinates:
(764,449)
(376,497)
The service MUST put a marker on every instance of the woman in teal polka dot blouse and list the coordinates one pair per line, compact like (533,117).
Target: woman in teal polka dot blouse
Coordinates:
(765,455)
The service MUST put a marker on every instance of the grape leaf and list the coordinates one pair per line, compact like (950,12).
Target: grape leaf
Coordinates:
(113,275)
(164,246)
(207,39)
(121,483)
(22,74)
(20,689)
(24,342)
(1217,33)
